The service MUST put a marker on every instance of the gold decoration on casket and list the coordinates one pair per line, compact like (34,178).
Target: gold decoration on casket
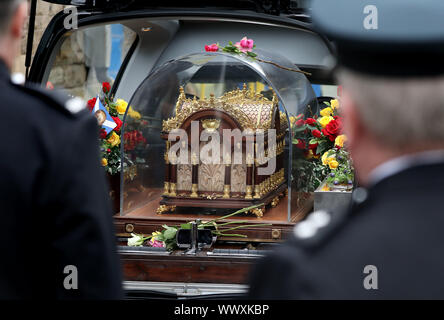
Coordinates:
(251,110)
(227,182)
(211,125)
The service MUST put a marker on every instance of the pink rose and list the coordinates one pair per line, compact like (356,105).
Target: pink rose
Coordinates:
(245,44)
(156,243)
(212,47)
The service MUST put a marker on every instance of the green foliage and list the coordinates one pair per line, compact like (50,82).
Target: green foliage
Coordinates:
(344,173)
(168,234)
(112,109)
(310,174)
(323,146)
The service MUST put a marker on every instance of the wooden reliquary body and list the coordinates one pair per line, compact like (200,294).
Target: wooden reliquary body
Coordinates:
(243,167)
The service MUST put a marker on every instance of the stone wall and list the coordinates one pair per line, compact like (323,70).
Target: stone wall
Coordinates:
(45,12)
(68,70)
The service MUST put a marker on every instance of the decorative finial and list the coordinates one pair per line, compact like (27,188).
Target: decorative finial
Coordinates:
(212,99)
(275,98)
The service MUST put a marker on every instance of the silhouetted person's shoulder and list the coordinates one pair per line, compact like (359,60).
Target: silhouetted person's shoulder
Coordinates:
(386,247)
(55,211)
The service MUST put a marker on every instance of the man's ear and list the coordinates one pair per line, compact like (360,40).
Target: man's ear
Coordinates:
(18,20)
(353,127)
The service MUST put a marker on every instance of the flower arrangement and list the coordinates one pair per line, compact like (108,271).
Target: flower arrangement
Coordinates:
(245,47)
(166,238)
(324,147)
(110,142)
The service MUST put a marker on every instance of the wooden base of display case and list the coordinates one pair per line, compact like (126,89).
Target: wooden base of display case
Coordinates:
(205,266)
(177,267)
(216,201)
(145,219)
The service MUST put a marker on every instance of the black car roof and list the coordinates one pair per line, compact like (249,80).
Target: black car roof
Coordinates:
(262,6)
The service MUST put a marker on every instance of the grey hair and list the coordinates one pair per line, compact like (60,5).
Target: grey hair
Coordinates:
(401,112)
(7,9)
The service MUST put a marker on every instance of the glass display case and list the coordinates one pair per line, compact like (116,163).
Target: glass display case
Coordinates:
(209,133)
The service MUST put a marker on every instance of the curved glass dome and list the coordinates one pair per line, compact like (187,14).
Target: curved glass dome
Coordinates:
(218,92)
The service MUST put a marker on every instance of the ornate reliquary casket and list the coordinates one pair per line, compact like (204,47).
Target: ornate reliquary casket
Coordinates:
(224,152)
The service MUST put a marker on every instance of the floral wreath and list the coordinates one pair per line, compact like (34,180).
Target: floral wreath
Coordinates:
(245,47)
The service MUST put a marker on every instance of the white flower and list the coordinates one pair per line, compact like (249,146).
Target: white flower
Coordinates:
(135,241)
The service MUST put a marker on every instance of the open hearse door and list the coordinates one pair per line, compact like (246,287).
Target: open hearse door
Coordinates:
(180,77)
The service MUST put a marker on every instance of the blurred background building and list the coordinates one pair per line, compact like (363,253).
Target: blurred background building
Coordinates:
(45,12)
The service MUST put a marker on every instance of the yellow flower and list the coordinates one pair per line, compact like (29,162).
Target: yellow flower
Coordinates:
(114,140)
(121,106)
(292,120)
(104,162)
(333,164)
(325,120)
(155,234)
(334,104)
(326,159)
(310,154)
(326,112)
(340,140)
(134,114)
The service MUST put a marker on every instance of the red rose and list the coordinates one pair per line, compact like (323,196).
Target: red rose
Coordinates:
(300,122)
(118,122)
(316,133)
(91,103)
(310,121)
(102,134)
(106,87)
(300,144)
(212,47)
(313,146)
(333,129)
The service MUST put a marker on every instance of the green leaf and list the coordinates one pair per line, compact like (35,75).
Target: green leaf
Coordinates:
(186,226)
(322,147)
(299,129)
(314,141)
(312,127)
(170,233)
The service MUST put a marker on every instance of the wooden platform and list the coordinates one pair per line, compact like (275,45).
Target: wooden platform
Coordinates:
(180,268)
(144,219)
(201,268)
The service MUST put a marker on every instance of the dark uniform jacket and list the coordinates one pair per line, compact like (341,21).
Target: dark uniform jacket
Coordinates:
(54,210)
(396,230)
